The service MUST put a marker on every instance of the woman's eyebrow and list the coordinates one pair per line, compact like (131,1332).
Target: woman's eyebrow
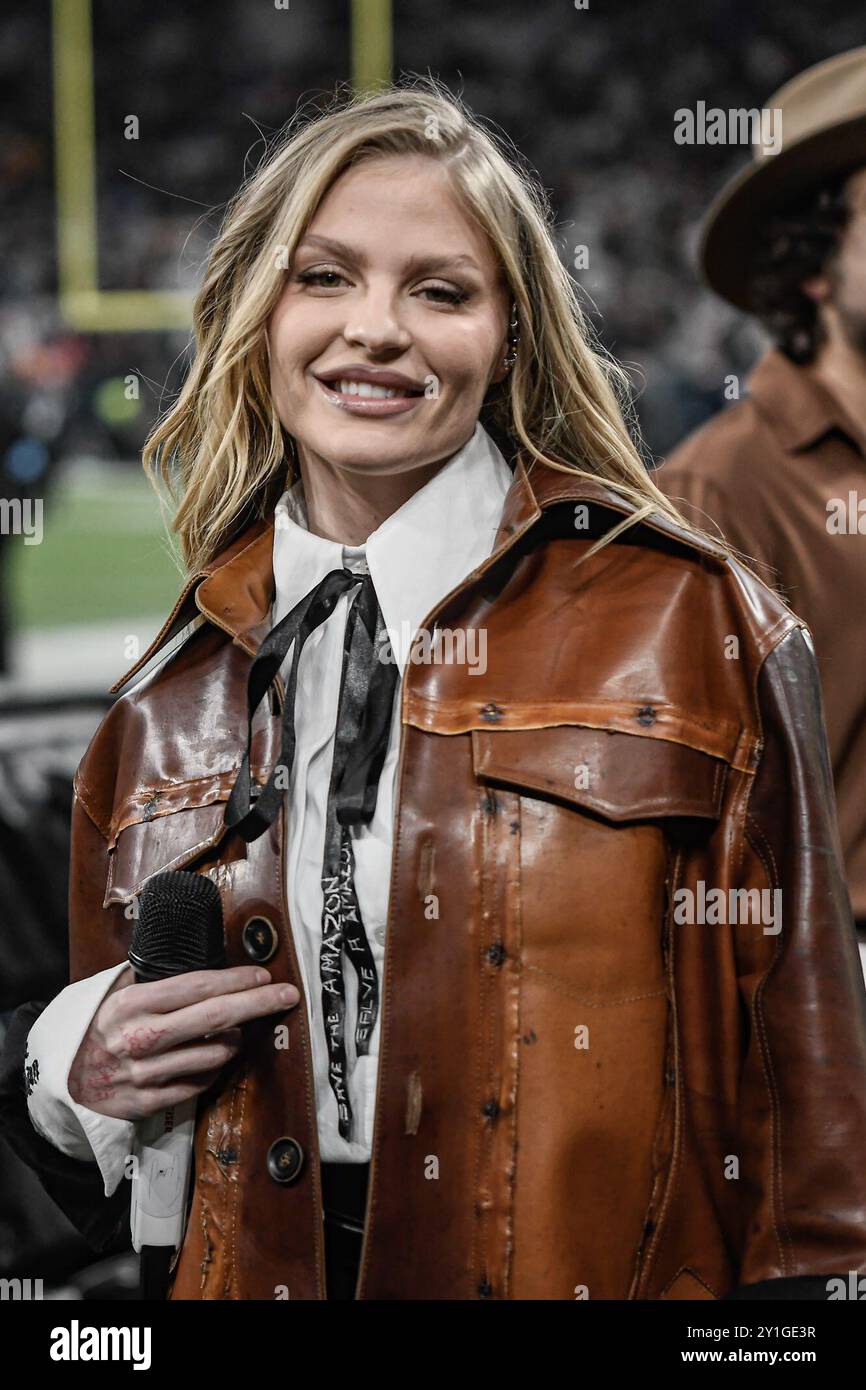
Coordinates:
(413,264)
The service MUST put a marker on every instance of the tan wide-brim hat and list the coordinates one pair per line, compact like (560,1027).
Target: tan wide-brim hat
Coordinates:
(823,133)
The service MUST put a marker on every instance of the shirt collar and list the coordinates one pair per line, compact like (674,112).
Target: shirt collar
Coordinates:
(417,555)
(797,407)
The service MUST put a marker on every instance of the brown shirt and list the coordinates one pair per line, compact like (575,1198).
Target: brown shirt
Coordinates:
(775,472)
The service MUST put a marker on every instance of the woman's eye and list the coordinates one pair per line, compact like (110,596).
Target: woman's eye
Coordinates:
(331,279)
(445,294)
(323,278)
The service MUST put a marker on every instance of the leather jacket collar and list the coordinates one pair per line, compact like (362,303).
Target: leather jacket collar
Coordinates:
(235,590)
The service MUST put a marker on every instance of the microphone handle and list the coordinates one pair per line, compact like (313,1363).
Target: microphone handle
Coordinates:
(180,922)
(163,1152)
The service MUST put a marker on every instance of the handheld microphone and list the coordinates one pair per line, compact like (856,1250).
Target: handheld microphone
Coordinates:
(179,928)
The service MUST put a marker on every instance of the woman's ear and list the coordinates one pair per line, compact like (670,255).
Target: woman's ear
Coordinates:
(507,355)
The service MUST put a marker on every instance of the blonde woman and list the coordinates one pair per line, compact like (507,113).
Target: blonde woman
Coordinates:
(541,980)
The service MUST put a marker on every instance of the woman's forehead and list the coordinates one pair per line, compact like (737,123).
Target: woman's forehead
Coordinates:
(402,207)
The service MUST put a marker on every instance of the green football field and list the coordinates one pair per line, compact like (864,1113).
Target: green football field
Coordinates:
(104,553)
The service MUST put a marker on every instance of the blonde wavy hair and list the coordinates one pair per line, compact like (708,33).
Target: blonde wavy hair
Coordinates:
(221,449)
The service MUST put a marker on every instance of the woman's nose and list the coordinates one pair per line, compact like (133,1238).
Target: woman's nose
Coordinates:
(376,326)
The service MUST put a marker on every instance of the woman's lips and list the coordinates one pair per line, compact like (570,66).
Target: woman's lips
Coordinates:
(369,405)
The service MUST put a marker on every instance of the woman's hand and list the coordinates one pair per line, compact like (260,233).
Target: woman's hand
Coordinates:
(153,1046)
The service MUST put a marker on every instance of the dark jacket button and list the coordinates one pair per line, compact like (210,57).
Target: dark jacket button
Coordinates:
(496,953)
(491,1109)
(285,1160)
(484,1289)
(492,712)
(260,939)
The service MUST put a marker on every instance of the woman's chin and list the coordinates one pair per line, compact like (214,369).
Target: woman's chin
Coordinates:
(380,446)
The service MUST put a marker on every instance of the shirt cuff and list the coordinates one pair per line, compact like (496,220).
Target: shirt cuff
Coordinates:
(52,1044)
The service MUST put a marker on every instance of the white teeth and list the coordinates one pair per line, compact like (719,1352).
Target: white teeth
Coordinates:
(365,388)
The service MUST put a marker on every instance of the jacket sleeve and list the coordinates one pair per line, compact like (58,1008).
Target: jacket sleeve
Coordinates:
(76,1186)
(98,938)
(802,1106)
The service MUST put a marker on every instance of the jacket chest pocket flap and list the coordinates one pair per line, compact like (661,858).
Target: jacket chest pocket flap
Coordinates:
(622,777)
(164,829)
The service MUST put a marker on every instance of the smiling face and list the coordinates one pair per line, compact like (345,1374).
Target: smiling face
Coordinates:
(392,324)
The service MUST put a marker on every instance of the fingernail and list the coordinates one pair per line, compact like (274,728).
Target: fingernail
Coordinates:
(262,977)
(288,994)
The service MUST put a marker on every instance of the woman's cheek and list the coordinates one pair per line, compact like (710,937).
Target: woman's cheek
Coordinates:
(474,357)
(463,367)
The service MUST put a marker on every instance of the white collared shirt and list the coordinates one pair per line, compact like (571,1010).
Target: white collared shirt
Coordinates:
(416,557)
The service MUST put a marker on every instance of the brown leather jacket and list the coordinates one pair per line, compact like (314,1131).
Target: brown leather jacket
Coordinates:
(579,1092)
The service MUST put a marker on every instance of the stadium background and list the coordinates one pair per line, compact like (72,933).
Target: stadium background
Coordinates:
(102,240)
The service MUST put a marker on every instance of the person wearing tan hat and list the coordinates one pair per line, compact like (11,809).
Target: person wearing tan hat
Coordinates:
(782,472)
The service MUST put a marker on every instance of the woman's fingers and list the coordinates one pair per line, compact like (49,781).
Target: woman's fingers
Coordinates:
(183,1063)
(228,1011)
(156,1098)
(179,991)
(135,1034)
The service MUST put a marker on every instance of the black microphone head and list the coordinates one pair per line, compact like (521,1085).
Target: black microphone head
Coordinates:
(179,926)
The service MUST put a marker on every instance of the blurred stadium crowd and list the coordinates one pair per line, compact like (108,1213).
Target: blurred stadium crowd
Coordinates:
(588,95)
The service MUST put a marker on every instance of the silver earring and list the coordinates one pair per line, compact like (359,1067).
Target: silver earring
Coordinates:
(513,339)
